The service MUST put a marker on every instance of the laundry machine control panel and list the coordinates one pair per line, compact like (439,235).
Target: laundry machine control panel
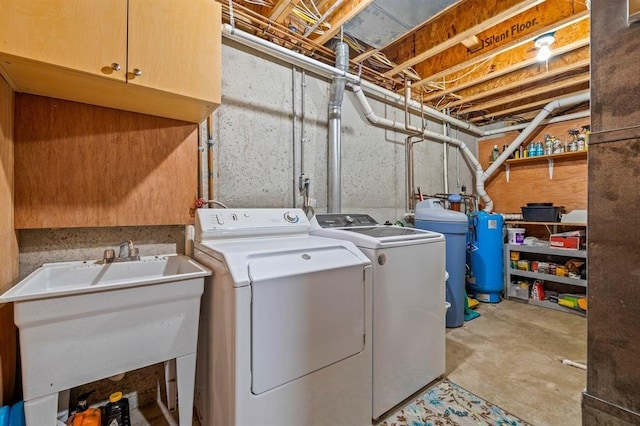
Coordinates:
(221,223)
(344,220)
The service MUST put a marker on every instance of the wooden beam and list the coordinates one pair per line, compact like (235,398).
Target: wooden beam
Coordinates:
(519,96)
(364,55)
(520,80)
(454,60)
(525,107)
(347,10)
(499,67)
(462,21)
(282,9)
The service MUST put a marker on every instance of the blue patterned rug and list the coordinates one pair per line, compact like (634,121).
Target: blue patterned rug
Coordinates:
(448,404)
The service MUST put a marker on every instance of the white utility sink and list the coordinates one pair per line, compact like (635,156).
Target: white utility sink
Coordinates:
(81,321)
(67,278)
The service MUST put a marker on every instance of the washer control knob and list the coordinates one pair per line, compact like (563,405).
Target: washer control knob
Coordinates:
(291,218)
(348,219)
(220,219)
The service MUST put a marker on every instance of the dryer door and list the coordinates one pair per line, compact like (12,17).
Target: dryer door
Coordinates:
(307,313)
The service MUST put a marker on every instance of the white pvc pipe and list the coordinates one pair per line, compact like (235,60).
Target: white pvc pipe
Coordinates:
(330,71)
(574,364)
(559,119)
(551,106)
(389,124)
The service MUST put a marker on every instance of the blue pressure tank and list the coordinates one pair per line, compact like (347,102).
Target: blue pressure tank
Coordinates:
(486,256)
(430,215)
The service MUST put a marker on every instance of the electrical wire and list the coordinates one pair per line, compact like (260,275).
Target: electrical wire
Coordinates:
(475,67)
(260,3)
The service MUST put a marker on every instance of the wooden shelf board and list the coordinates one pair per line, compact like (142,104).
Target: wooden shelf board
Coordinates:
(561,156)
(522,222)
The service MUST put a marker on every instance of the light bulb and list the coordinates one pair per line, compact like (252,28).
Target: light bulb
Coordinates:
(544,52)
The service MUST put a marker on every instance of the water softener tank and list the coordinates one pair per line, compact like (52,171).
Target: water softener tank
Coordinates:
(431,215)
(486,257)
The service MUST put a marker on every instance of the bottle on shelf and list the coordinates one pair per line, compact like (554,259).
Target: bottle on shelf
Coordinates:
(495,153)
(584,135)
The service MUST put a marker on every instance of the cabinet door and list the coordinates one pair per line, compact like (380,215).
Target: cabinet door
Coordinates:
(82,35)
(175,46)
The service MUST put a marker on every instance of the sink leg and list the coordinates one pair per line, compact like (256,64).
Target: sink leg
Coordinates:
(186,375)
(170,383)
(41,411)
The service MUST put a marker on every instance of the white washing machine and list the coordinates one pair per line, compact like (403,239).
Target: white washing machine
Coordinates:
(408,302)
(286,323)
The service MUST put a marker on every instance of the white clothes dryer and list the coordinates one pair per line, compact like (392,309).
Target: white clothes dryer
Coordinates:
(286,323)
(409,304)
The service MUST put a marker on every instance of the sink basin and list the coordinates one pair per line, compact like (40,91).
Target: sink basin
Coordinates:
(67,278)
(81,321)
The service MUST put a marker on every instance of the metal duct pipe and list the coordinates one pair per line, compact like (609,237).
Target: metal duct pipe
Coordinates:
(336,94)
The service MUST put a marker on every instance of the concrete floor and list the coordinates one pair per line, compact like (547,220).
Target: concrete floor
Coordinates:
(512,356)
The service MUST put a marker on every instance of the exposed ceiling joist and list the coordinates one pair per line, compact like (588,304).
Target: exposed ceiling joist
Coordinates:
(474,56)
(348,10)
(582,78)
(520,108)
(448,62)
(520,81)
(282,9)
(575,54)
(463,21)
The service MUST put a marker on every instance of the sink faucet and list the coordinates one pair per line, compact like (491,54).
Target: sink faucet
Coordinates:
(126,253)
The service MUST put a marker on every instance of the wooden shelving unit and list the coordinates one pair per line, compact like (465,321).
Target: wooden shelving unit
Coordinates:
(549,158)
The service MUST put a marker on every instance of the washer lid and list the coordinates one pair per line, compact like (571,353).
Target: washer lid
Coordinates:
(380,236)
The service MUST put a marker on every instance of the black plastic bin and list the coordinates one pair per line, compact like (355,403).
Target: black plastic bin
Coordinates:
(541,212)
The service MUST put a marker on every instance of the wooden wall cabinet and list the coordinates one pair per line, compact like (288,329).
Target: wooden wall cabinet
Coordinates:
(157,57)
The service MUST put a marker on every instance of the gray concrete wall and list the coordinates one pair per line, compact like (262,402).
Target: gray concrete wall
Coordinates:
(257,153)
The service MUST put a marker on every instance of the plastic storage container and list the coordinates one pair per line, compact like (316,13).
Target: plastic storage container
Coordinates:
(486,248)
(431,216)
(515,235)
(541,212)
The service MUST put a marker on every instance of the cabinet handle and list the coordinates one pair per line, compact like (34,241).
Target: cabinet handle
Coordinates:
(115,66)
(137,72)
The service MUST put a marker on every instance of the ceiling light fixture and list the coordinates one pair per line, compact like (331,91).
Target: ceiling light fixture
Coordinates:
(543,43)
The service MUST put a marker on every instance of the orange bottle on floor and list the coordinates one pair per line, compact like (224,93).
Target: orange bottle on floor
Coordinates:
(89,417)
